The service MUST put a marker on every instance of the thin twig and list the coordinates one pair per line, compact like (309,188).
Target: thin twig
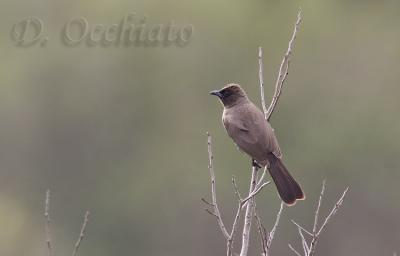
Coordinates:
(261,78)
(330,215)
(262,177)
(216,211)
(302,228)
(255,192)
(266,238)
(284,68)
(318,207)
(206,202)
(237,216)
(235,188)
(214,205)
(272,233)
(294,250)
(263,234)
(259,185)
(315,237)
(211,213)
(306,249)
(81,234)
(309,249)
(248,215)
(234,226)
(47,224)
(333,211)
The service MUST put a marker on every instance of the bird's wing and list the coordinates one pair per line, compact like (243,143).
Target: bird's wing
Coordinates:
(251,132)
(265,133)
(239,130)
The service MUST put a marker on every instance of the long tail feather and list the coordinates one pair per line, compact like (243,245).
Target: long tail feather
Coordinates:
(289,190)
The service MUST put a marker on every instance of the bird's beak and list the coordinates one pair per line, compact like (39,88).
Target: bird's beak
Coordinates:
(216,93)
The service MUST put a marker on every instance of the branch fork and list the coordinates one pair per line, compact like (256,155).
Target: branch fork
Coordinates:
(309,248)
(213,205)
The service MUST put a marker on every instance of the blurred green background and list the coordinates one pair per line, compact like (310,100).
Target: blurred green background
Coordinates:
(121,131)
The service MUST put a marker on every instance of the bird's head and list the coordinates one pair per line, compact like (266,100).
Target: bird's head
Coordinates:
(230,94)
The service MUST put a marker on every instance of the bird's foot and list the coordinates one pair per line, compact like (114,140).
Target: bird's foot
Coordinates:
(255,164)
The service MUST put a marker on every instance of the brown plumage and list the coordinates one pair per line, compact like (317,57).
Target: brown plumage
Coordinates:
(246,125)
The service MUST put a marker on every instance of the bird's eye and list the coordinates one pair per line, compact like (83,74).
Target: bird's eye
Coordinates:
(226,93)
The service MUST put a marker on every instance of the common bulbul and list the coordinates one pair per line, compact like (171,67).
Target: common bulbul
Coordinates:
(246,125)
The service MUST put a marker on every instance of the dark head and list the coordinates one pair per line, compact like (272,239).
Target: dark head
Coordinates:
(230,95)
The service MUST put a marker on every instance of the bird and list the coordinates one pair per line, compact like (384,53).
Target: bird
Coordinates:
(246,124)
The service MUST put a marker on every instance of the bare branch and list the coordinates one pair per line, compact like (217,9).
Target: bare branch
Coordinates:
(262,177)
(82,234)
(237,216)
(272,233)
(333,211)
(214,205)
(211,213)
(206,202)
(302,228)
(263,234)
(259,185)
(249,214)
(318,207)
(47,224)
(306,249)
(255,192)
(294,250)
(47,228)
(235,188)
(284,68)
(331,214)
(266,238)
(261,78)
(213,190)
(234,226)
(309,249)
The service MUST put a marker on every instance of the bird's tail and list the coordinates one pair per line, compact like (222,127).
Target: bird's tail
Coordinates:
(289,190)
